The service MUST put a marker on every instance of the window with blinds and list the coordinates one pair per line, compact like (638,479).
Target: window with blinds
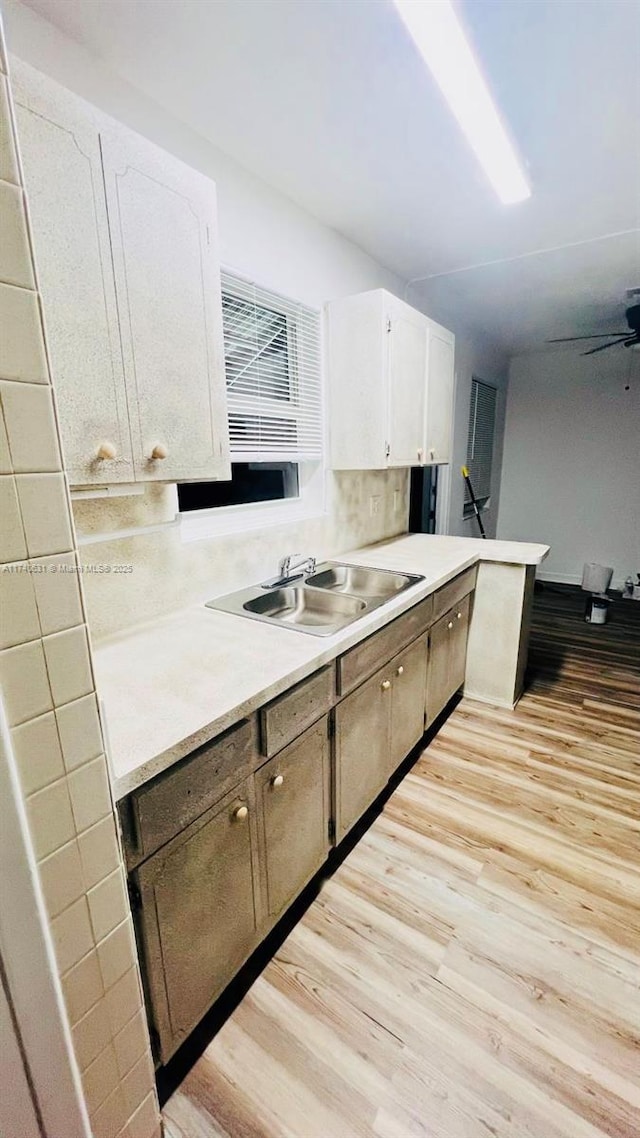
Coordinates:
(482,418)
(272,362)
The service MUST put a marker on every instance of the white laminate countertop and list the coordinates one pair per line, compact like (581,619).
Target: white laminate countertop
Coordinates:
(170,685)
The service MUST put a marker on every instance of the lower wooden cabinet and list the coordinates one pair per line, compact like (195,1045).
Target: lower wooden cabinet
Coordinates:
(363,725)
(376,727)
(200,914)
(294,811)
(408,683)
(447,657)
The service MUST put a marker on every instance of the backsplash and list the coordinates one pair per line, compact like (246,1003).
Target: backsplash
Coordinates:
(133,578)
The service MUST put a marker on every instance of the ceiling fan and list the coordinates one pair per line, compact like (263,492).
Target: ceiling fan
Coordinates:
(630,338)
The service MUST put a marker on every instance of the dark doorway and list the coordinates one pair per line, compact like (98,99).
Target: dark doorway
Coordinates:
(423,499)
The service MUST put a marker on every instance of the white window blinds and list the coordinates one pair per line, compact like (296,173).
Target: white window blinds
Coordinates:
(272,361)
(482,417)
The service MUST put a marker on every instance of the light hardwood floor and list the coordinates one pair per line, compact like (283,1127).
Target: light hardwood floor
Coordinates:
(472,969)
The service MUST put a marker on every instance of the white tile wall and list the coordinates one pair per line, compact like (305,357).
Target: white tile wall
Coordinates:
(47,687)
(30,423)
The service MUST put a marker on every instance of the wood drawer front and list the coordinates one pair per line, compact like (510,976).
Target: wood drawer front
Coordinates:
(290,714)
(364,659)
(453,592)
(173,800)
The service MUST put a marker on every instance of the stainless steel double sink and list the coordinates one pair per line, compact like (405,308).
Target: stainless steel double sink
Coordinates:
(329,599)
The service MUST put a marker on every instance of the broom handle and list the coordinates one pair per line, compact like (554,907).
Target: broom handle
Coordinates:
(476,508)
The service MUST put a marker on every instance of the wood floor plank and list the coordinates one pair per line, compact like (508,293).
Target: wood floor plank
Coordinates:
(473,966)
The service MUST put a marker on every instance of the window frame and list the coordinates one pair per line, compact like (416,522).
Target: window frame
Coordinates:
(484,501)
(196,525)
(310,502)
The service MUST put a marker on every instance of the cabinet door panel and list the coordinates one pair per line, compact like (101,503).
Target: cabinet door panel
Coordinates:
(293,792)
(439,398)
(409,679)
(406,384)
(458,645)
(163,232)
(61,156)
(362,748)
(200,916)
(438,690)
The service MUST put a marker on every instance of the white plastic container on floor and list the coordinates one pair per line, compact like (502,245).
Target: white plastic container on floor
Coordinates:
(597,610)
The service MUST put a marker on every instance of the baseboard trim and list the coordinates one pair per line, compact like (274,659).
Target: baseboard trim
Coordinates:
(569,578)
(508,704)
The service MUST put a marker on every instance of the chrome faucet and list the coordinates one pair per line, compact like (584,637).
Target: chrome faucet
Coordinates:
(288,564)
(287,570)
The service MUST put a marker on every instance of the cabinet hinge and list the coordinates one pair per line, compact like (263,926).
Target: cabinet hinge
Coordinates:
(387,449)
(388,325)
(135,896)
(208,236)
(331,828)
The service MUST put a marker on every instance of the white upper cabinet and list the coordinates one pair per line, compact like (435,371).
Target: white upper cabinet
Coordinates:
(126,250)
(61,156)
(162,220)
(391,380)
(406,384)
(440,393)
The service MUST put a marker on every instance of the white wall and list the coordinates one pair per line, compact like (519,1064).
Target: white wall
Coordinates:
(571,468)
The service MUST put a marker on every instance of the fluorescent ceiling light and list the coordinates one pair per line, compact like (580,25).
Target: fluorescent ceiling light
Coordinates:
(440,39)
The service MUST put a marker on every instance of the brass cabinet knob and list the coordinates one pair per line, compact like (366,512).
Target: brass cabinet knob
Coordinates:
(159,451)
(240,813)
(106,451)
(277,780)
(385,685)
(450,624)
(400,671)
(459,616)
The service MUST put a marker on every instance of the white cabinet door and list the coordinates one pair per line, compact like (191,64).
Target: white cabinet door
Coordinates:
(162,218)
(440,382)
(407,377)
(61,157)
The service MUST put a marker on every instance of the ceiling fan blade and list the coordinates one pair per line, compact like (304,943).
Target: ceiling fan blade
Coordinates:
(613,344)
(594,336)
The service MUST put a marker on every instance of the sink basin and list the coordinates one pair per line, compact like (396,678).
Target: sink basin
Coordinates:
(306,607)
(359,581)
(333,597)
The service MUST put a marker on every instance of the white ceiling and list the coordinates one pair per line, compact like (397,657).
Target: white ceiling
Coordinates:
(328,101)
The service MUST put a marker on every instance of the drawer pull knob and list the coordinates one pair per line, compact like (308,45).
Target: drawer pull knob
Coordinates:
(459,616)
(240,813)
(159,451)
(420,453)
(385,685)
(400,671)
(450,624)
(277,780)
(432,453)
(106,450)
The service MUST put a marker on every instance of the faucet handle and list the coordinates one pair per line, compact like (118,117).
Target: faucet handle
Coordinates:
(285,564)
